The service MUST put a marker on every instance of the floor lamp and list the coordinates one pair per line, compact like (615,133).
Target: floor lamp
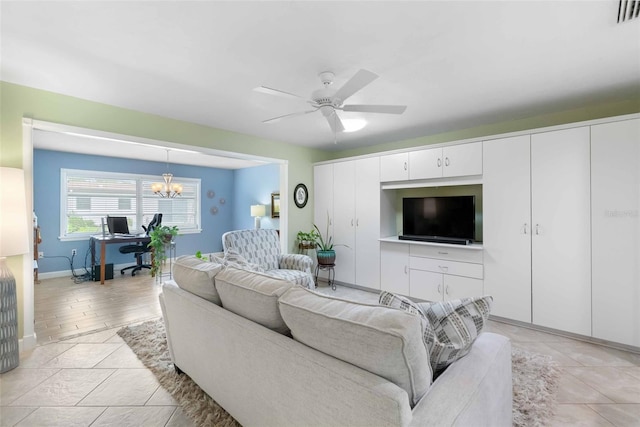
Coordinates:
(14,240)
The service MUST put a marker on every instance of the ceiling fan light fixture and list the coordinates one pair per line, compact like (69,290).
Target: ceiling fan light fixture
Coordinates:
(353,125)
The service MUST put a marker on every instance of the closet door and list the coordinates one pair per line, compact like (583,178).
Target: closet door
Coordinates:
(344,223)
(561,220)
(506,206)
(367,245)
(323,197)
(615,181)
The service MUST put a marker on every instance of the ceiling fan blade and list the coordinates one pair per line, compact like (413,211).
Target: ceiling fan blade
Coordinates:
(299,113)
(388,109)
(357,82)
(335,123)
(276,92)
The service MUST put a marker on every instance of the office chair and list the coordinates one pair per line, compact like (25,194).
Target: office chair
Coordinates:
(140,249)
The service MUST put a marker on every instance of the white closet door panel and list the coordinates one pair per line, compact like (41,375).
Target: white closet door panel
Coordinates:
(394,167)
(344,220)
(457,287)
(561,247)
(425,164)
(323,196)
(367,246)
(426,285)
(507,226)
(394,268)
(462,160)
(615,180)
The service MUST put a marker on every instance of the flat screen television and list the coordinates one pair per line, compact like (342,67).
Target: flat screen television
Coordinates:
(450,219)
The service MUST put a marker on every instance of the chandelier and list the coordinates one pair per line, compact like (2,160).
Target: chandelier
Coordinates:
(166,189)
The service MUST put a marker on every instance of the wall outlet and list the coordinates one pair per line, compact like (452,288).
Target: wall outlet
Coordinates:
(40,254)
(73,252)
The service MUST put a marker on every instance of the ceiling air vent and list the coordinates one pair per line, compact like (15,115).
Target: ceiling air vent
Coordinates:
(628,9)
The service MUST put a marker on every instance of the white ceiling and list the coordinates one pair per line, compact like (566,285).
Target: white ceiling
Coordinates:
(454,64)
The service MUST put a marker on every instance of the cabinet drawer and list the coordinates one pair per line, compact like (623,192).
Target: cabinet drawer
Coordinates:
(446,267)
(447,253)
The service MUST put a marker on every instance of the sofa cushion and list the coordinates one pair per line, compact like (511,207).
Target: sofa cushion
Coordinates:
(253,295)
(381,340)
(197,276)
(457,324)
(449,327)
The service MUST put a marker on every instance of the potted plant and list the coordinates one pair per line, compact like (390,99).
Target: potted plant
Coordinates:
(160,238)
(307,240)
(325,253)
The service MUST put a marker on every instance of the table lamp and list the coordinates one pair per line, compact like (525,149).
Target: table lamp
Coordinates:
(14,240)
(257,211)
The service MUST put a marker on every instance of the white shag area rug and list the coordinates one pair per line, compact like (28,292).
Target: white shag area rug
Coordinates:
(535,380)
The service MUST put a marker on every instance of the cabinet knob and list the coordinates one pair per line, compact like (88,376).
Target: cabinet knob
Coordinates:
(406,269)
(537,229)
(446,290)
(439,289)
(405,165)
(352,222)
(524,228)
(358,222)
(439,162)
(446,161)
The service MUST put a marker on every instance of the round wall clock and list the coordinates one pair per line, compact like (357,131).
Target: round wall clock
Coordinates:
(300,195)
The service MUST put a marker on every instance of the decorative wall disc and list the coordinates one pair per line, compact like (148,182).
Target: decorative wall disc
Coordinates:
(222,201)
(211,194)
(213,210)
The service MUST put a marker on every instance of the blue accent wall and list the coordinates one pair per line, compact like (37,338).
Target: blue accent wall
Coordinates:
(253,186)
(46,182)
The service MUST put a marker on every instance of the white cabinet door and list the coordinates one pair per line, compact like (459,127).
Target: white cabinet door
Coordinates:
(425,164)
(394,167)
(462,160)
(457,287)
(394,268)
(344,220)
(323,197)
(426,285)
(561,244)
(615,192)
(367,245)
(506,225)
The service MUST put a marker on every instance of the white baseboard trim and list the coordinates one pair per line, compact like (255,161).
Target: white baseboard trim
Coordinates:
(27,343)
(80,271)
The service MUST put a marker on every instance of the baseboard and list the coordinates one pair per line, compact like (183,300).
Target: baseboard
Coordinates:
(27,343)
(79,271)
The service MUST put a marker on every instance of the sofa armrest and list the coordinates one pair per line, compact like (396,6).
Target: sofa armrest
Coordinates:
(476,390)
(295,262)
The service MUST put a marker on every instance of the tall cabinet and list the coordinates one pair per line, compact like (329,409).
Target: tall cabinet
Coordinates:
(536,214)
(506,193)
(615,207)
(561,229)
(354,199)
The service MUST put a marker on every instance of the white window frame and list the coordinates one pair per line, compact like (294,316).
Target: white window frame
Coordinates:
(139,178)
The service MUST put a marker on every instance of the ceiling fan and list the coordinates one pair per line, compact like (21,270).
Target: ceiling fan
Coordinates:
(329,100)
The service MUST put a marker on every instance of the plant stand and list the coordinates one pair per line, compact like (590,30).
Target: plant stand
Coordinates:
(331,276)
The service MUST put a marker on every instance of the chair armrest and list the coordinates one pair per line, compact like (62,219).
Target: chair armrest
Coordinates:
(295,262)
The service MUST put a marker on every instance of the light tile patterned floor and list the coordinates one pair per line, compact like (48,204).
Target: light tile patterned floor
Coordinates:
(96,380)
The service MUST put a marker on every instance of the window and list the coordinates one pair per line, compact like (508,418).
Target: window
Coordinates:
(88,196)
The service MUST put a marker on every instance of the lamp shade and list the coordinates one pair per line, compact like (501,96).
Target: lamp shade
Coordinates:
(258,210)
(14,236)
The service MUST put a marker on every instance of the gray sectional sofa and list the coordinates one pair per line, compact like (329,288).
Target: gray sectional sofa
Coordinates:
(272,353)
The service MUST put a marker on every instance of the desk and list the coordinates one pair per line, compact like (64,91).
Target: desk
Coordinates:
(108,240)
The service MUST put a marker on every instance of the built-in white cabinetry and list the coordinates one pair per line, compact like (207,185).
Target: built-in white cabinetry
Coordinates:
(394,167)
(456,160)
(615,207)
(431,272)
(441,162)
(354,198)
(537,228)
(323,197)
(394,267)
(561,244)
(507,226)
